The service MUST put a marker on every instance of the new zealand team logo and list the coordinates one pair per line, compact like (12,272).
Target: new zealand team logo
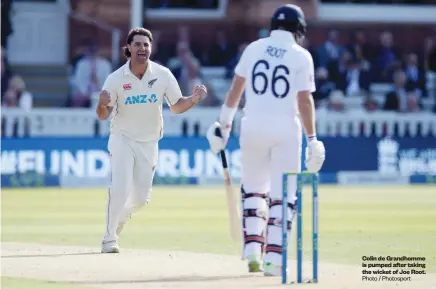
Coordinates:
(151,82)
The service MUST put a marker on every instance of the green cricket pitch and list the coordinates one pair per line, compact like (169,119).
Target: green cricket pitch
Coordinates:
(51,239)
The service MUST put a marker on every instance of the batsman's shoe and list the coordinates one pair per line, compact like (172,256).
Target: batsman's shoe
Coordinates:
(270,269)
(254,264)
(110,247)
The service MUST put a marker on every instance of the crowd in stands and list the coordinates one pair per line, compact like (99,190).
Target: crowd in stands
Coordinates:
(341,71)
(349,70)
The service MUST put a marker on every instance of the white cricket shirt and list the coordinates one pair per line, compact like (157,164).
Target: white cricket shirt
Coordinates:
(137,103)
(275,68)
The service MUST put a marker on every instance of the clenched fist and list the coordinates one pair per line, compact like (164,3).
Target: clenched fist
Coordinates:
(104,98)
(198,93)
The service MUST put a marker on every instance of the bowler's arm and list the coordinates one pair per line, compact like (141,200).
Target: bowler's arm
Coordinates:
(173,95)
(183,104)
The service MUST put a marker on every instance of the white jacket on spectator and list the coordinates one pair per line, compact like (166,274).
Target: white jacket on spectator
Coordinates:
(83,75)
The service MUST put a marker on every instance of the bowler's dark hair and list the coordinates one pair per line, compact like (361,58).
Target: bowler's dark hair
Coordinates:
(132,33)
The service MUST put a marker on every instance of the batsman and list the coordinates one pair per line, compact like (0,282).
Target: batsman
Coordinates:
(277,75)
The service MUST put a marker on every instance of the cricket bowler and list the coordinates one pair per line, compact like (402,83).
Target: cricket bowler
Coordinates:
(277,75)
(134,95)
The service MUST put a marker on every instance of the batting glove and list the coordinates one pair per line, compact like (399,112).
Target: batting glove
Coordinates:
(315,156)
(217,136)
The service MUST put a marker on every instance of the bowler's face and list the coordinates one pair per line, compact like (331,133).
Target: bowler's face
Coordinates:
(140,48)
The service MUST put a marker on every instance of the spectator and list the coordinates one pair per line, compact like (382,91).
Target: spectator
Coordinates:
(323,85)
(400,98)
(370,104)
(355,80)
(91,72)
(413,103)
(17,96)
(221,51)
(184,36)
(10,100)
(359,48)
(186,68)
(338,69)
(386,57)
(415,75)
(336,101)
(330,51)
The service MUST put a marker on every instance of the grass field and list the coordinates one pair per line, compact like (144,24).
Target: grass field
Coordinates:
(354,222)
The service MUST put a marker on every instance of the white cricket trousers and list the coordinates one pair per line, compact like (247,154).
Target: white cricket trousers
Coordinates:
(132,171)
(270,146)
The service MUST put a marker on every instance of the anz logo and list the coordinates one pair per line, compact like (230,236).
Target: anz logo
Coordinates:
(139,99)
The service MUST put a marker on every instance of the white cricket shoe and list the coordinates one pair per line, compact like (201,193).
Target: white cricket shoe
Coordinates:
(269,269)
(110,247)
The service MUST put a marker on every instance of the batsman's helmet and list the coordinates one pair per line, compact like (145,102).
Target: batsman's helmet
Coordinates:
(291,18)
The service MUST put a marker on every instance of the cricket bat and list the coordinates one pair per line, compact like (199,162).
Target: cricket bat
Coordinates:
(232,199)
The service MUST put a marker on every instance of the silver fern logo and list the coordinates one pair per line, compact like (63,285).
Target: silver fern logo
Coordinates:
(151,82)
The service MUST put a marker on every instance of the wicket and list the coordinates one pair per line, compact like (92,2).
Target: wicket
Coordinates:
(299,244)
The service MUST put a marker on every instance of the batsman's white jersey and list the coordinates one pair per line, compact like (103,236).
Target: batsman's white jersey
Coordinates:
(136,128)
(275,68)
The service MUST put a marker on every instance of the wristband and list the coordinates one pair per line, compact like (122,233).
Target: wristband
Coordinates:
(311,138)
(227,114)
